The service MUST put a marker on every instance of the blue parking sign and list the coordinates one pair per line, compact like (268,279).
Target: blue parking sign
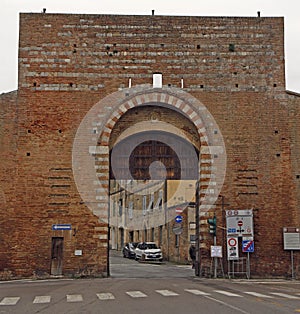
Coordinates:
(248,246)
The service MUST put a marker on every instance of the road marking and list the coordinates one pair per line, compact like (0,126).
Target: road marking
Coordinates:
(136,294)
(74,298)
(166,293)
(196,292)
(259,295)
(10,301)
(105,296)
(42,299)
(229,294)
(288,296)
(226,304)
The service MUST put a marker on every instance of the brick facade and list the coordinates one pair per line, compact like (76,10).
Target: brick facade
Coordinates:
(232,68)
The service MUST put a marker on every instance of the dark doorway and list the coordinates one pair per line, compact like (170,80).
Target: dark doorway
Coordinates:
(57,256)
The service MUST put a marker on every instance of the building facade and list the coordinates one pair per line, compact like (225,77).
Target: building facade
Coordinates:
(99,96)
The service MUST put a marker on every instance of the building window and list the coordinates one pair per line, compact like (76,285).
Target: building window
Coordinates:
(144,204)
(160,235)
(231,47)
(152,234)
(130,210)
(176,240)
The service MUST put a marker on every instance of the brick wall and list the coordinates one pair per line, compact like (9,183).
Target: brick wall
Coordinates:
(67,63)
(8,141)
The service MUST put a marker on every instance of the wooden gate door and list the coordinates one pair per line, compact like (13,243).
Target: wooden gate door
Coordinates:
(57,256)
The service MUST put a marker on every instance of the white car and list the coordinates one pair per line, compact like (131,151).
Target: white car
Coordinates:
(148,251)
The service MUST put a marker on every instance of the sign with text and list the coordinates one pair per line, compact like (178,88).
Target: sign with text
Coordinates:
(216,251)
(239,222)
(291,238)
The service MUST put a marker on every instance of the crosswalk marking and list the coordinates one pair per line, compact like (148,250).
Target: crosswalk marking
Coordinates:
(42,299)
(10,301)
(196,292)
(139,294)
(259,295)
(166,293)
(229,294)
(288,296)
(74,298)
(105,296)
(136,294)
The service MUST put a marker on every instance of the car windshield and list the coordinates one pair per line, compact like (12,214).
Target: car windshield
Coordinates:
(150,246)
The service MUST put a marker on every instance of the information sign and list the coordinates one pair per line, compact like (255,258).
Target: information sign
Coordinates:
(62,227)
(216,251)
(291,238)
(239,223)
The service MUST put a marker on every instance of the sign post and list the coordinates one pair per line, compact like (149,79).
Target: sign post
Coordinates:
(239,223)
(291,241)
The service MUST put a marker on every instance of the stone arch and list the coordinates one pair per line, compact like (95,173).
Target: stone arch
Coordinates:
(102,118)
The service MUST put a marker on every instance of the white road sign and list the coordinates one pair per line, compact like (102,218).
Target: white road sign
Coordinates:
(216,251)
(232,248)
(239,223)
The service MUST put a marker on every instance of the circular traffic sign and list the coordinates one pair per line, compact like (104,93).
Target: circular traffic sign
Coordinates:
(232,242)
(178,218)
(177,228)
(240,223)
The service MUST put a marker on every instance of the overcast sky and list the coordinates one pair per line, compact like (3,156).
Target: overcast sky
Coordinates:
(10,9)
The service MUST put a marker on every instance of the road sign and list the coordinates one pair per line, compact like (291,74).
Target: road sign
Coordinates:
(232,248)
(291,238)
(216,251)
(239,223)
(62,227)
(177,228)
(248,246)
(179,210)
(178,219)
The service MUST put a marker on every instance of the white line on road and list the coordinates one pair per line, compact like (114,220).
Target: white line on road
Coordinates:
(288,296)
(10,301)
(259,295)
(74,298)
(229,294)
(105,296)
(42,299)
(136,294)
(166,293)
(196,292)
(226,304)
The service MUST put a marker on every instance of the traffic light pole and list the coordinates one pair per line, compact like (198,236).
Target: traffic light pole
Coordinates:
(212,223)
(215,258)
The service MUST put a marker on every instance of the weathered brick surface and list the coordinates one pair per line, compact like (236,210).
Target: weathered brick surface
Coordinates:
(8,132)
(67,63)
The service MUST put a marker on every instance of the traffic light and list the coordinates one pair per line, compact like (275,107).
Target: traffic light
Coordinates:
(212,222)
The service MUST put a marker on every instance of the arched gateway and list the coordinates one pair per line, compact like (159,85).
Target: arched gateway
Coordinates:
(144,115)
